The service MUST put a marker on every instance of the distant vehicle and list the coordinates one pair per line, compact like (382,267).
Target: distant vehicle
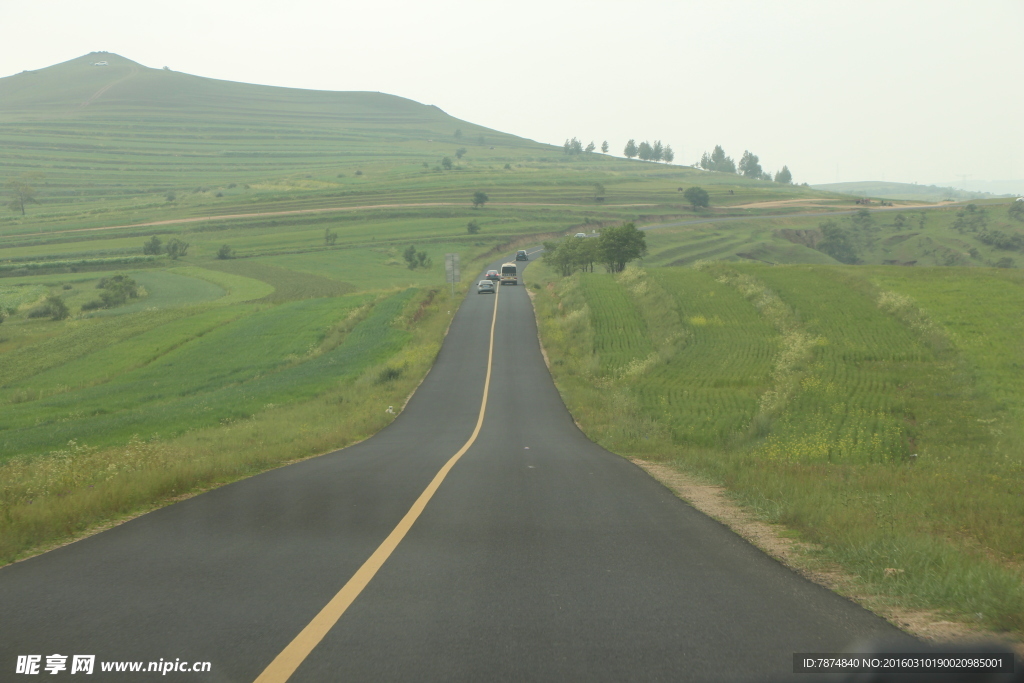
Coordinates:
(1020,199)
(100,64)
(581,234)
(521,255)
(509,274)
(485,287)
(492,275)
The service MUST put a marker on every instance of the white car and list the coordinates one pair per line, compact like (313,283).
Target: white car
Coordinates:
(581,234)
(485,287)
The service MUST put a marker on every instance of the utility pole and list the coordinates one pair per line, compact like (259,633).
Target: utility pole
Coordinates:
(451,270)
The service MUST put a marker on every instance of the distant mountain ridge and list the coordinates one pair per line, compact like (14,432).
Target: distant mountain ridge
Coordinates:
(906,191)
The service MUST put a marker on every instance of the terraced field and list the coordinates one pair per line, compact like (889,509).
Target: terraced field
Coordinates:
(877,412)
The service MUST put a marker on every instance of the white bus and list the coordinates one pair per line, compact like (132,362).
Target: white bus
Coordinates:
(509,274)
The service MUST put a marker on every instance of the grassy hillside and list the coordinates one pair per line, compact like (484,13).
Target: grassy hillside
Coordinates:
(976,234)
(877,411)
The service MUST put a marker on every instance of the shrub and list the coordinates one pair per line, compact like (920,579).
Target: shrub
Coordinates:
(176,248)
(388,375)
(359,173)
(153,246)
(225,252)
(54,308)
(472,227)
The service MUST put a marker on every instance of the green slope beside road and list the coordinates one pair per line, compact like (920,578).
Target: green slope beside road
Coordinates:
(874,411)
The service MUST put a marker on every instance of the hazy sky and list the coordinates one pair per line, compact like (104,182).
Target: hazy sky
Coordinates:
(896,90)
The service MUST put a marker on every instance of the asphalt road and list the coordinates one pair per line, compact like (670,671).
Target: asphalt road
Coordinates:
(541,556)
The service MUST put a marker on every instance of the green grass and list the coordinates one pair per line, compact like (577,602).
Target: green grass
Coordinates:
(53,497)
(875,411)
(223,373)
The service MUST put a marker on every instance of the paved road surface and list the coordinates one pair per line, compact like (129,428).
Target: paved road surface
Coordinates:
(540,557)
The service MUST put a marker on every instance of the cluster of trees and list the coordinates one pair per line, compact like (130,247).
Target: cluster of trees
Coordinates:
(416,259)
(458,136)
(750,166)
(974,219)
(575,146)
(615,248)
(648,152)
(174,248)
(447,163)
(845,242)
(330,237)
(117,289)
(1016,211)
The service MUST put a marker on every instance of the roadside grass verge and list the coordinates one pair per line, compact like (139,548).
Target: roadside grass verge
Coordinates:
(863,425)
(52,498)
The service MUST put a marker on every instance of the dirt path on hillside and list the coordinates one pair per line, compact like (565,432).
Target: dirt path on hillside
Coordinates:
(784,202)
(230,216)
(825,203)
(99,93)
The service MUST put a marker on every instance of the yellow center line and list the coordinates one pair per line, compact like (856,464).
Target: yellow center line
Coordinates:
(285,664)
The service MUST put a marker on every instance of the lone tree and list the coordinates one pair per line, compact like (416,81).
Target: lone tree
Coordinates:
(631,150)
(657,151)
(618,246)
(479,199)
(225,252)
(590,148)
(22,192)
(330,237)
(472,227)
(697,197)
(447,163)
(604,147)
(784,176)
(750,166)
(460,152)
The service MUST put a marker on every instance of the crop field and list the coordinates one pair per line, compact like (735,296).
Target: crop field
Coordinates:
(876,411)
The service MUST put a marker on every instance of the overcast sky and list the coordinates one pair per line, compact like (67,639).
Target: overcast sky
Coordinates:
(896,90)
